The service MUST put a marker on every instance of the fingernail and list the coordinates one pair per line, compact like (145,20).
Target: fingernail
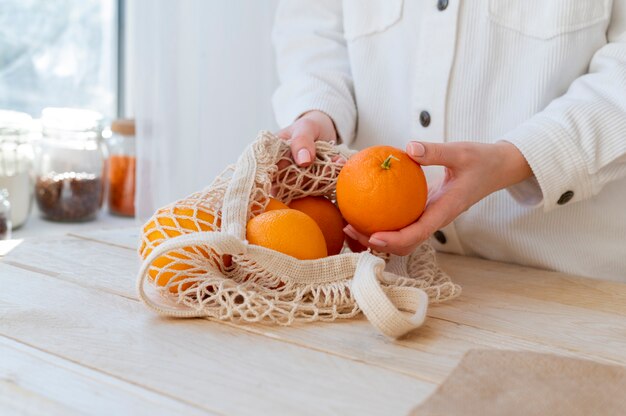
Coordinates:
(376,242)
(342,160)
(303,156)
(350,233)
(416,149)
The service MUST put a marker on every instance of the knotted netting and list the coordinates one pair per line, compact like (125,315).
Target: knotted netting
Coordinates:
(197,262)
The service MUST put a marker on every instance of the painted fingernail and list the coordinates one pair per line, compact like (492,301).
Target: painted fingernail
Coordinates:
(376,242)
(303,156)
(416,149)
(350,233)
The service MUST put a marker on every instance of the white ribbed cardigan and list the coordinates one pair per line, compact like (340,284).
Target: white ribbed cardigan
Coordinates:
(548,76)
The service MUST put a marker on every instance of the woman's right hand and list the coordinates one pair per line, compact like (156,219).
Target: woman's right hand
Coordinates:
(304,132)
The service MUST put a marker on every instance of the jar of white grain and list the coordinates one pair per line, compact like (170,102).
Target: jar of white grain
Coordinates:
(16,163)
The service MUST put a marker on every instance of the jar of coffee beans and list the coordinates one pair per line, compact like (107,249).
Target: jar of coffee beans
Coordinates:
(70,165)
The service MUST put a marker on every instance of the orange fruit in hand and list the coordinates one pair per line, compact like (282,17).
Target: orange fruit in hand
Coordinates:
(381,189)
(327,217)
(288,231)
(275,204)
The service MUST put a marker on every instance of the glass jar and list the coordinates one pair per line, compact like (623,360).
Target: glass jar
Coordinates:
(70,165)
(5,215)
(121,168)
(16,163)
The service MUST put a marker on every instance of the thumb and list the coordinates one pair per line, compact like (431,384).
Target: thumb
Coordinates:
(425,153)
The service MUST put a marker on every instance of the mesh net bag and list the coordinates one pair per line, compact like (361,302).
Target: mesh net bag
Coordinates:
(197,262)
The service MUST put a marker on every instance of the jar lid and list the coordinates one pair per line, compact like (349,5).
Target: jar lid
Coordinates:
(123,126)
(14,123)
(70,119)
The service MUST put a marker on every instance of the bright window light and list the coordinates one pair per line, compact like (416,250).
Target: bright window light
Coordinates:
(60,53)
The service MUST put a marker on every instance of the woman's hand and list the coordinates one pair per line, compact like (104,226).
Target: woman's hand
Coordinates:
(304,132)
(473,171)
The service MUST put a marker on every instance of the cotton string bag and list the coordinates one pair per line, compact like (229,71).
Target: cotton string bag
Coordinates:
(197,262)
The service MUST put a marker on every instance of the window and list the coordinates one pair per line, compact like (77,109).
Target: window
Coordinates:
(60,53)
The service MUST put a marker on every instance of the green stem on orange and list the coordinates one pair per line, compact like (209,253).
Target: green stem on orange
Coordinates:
(387,163)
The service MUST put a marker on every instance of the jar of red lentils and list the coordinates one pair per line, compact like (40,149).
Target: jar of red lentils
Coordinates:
(121,168)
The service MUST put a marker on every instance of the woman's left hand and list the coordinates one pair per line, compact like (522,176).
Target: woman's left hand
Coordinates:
(473,171)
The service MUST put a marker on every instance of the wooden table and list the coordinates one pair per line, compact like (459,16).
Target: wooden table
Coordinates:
(74,339)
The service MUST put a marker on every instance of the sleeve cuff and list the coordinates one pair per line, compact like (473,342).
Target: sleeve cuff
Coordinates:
(316,97)
(527,193)
(560,176)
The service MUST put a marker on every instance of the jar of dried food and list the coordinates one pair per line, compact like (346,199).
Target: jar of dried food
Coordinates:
(16,162)
(70,165)
(5,215)
(121,168)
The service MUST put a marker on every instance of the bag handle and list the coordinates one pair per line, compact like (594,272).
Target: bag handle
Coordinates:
(238,193)
(383,307)
(220,242)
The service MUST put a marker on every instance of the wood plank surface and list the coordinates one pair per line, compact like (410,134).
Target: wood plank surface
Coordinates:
(15,400)
(576,329)
(596,294)
(196,361)
(362,344)
(601,295)
(36,383)
(502,306)
(121,237)
(87,263)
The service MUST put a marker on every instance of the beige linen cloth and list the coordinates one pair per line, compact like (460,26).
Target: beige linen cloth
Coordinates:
(494,382)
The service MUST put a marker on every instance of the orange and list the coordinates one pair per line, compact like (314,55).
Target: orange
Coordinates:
(164,268)
(327,217)
(275,204)
(288,231)
(182,223)
(354,245)
(381,189)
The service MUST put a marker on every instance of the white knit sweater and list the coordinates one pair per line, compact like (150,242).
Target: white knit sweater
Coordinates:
(548,76)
